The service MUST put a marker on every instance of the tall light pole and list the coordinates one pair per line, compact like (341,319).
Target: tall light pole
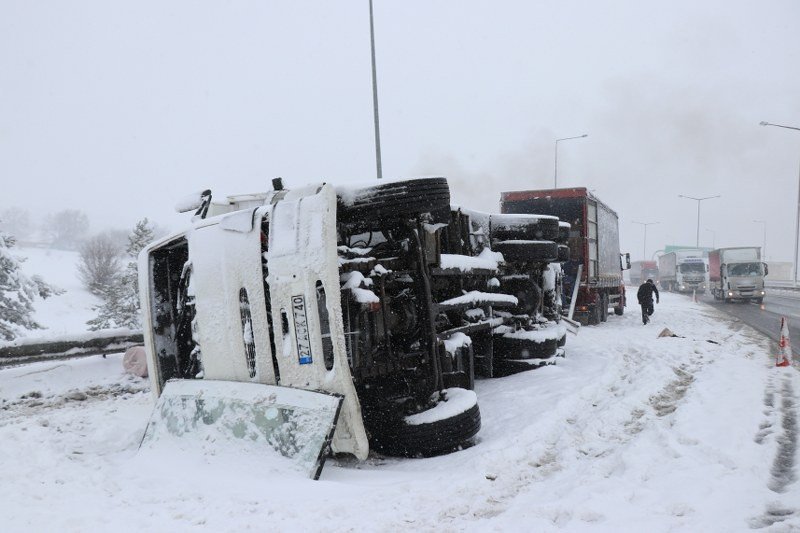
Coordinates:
(375,95)
(555,174)
(697,244)
(713,237)
(644,246)
(764,247)
(797,217)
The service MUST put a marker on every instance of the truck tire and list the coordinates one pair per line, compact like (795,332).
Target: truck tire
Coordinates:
(397,199)
(563,234)
(604,307)
(519,251)
(594,315)
(510,348)
(507,367)
(619,310)
(563,253)
(506,227)
(759,301)
(431,438)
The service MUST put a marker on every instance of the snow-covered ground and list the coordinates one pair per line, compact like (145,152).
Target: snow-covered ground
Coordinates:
(629,433)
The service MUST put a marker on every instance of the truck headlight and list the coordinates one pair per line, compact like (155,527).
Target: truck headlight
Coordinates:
(730,294)
(762,293)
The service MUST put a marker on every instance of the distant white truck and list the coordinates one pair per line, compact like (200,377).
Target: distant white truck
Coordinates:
(683,271)
(737,273)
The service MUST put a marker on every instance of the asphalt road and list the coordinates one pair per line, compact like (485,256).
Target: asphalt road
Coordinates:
(766,317)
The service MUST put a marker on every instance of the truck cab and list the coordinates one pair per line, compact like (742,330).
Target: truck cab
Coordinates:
(737,274)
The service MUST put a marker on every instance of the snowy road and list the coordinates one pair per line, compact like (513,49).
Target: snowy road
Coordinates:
(766,317)
(629,433)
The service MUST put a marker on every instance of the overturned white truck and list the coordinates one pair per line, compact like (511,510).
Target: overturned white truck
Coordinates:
(383,296)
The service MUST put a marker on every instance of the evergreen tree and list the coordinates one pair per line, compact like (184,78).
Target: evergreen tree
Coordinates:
(120,308)
(17,293)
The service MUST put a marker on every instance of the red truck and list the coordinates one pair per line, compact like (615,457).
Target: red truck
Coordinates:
(594,256)
(641,271)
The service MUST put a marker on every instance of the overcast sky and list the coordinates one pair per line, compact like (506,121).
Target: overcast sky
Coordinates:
(120,108)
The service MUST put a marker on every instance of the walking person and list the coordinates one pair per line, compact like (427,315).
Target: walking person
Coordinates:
(645,296)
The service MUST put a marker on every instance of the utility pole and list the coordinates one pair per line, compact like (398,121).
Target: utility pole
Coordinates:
(375,95)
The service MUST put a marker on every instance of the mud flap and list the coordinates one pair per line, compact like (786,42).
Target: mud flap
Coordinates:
(292,428)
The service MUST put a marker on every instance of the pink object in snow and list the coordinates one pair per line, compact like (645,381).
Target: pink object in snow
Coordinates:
(135,361)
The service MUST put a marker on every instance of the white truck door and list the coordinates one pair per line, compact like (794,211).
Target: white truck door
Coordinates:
(306,305)
(228,282)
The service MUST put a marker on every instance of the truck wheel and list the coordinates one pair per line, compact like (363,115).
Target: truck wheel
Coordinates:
(507,367)
(604,307)
(619,310)
(511,348)
(563,253)
(759,301)
(563,234)
(407,438)
(523,227)
(536,251)
(594,315)
(394,200)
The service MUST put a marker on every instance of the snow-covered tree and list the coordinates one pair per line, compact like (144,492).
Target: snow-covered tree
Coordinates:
(120,308)
(67,228)
(17,293)
(16,221)
(99,263)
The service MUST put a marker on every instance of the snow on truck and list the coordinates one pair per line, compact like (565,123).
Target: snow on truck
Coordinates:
(683,271)
(641,271)
(378,305)
(737,273)
(594,266)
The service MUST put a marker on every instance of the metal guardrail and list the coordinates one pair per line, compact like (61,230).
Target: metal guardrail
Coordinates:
(782,285)
(28,350)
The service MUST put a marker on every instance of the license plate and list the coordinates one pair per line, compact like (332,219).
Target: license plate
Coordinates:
(301,330)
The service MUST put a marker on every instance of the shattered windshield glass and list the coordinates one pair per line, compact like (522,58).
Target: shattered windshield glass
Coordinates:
(247,418)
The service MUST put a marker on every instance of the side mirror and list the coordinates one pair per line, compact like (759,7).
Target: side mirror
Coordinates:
(766,269)
(197,202)
(627,261)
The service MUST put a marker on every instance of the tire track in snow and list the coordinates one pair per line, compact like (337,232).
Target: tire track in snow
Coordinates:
(781,412)
(35,403)
(783,467)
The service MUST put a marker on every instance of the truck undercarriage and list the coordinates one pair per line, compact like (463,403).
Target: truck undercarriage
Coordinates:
(423,303)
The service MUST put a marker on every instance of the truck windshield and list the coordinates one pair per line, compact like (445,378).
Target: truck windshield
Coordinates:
(693,267)
(744,269)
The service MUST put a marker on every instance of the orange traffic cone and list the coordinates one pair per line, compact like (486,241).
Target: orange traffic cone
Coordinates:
(785,356)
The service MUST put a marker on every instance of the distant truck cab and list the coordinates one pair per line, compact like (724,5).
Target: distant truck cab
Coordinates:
(683,270)
(737,274)
(641,271)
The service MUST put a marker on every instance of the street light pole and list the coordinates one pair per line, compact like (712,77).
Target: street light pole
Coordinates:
(797,216)
(375,95)
(764,246)
(713,237)
(697,242)
(555,174)
(644,246)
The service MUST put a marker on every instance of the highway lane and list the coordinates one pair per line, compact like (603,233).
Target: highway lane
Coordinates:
(766,318)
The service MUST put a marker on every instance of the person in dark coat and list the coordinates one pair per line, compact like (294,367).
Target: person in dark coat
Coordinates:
(645,296)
